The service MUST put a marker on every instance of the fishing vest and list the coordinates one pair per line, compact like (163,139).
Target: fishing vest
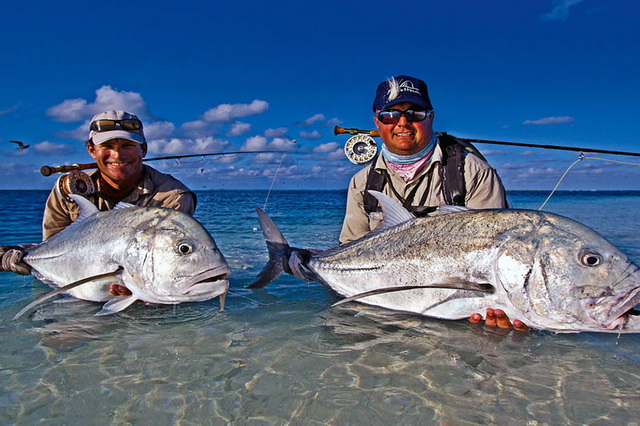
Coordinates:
(451,173)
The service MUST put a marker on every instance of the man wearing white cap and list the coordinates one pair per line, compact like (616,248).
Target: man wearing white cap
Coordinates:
(117,144)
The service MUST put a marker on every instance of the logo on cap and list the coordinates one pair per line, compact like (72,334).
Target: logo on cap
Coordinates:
(405,86)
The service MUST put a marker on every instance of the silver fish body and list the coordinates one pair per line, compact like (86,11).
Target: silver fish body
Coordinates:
(161,255)
(549,271)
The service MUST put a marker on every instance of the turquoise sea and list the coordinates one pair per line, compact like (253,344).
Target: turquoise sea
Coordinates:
(283,355)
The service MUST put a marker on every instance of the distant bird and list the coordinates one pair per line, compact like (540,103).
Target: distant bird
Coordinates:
(21,145)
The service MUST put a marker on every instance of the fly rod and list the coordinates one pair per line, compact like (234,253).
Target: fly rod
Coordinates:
(49,170)
(374,133)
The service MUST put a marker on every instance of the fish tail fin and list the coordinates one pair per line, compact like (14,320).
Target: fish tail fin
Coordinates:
(279,251)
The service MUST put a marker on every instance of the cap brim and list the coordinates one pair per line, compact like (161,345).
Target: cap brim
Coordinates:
(418,102)
(102,137)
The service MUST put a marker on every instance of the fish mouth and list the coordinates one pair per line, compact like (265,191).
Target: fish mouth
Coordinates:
(211,279)
(623,311)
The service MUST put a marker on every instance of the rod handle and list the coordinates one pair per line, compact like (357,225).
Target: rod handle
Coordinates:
(49,170)
(337,130)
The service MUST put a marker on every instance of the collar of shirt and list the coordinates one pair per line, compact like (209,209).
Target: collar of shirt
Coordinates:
(410,172)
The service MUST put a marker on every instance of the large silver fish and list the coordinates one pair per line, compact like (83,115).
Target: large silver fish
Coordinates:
(161,255)
(549,271)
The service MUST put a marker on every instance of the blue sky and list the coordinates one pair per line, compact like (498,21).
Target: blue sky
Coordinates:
(209,76)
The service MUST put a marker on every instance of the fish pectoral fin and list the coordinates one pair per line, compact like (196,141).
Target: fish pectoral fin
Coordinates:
(462,284)
(115,275)
(453,283)
(117,304)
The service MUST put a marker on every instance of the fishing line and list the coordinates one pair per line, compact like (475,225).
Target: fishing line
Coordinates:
(175,165)
(582,157)
(248,298)
(264,208)
(179,163)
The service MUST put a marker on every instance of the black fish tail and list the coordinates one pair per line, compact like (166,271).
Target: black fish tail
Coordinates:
(279,251)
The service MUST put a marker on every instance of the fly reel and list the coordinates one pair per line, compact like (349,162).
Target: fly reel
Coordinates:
(75,182)
(360,149)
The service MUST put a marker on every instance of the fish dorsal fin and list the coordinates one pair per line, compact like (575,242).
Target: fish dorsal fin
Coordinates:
(393,212)
(87,208)
(123,205)
(447,209)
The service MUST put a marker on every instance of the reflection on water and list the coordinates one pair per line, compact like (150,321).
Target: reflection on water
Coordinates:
(283,355)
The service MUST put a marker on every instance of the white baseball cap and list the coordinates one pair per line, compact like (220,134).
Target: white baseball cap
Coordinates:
(116,124)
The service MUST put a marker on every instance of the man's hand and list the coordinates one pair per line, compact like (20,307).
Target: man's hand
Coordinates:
(119,290)
(11,259)
(497,318)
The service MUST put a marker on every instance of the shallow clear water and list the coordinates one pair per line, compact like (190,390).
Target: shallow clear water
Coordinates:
(283,355)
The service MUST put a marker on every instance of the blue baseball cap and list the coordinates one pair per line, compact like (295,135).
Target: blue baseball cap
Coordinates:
(403,88)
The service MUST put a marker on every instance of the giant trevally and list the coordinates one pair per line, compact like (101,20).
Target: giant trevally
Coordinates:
(161,255)
(546,270)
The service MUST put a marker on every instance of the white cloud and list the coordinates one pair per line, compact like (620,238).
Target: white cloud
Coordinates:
(80,133)
(229,112)
(487,152)
(561,10)
(310,135)
(47,147)
(159,130)
(338,154)
(69,111)
(255,143)
(275,133)
(313,119)
(9,110)
(238,128)
(267,157)
(260,143)
(326,147)
(532,172)
(283,144)
(178,146)
(549,120)
(195,129)
(72,110)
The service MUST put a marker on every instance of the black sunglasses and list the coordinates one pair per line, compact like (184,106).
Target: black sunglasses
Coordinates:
(106,125)
(392,116)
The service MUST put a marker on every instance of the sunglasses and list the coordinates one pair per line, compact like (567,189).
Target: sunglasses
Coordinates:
(393,116)
(106,125)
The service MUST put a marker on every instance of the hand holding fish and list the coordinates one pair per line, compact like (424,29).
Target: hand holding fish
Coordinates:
(498,318)
(11,259)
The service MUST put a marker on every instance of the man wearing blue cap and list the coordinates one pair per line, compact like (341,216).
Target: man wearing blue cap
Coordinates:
(419,168)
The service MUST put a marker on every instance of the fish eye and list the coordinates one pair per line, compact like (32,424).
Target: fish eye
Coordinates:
(590,258)
(185,247)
